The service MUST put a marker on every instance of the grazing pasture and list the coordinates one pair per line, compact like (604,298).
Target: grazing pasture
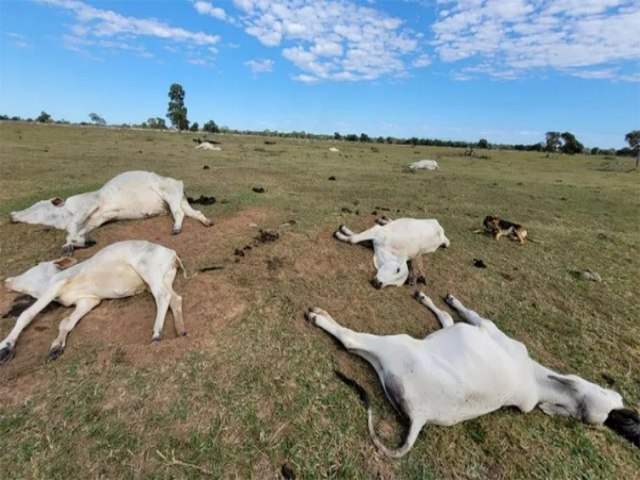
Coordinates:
(251,388)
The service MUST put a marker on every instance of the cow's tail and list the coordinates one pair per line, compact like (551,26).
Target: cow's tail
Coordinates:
(184,270)
(364,397)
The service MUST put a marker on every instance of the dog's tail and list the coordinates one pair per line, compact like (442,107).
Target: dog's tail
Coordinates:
(362,393)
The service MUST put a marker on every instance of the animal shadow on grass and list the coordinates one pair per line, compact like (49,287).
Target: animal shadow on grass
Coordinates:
(21,303)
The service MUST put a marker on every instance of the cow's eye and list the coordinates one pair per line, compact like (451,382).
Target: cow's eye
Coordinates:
(398,270)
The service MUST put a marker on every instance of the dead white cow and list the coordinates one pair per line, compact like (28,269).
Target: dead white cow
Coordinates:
(398,246)
(120,270)
(130,195)
(208,146)
(466,370)
(334,149)
(424,165)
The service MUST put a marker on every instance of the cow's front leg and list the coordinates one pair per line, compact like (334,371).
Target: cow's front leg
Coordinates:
(83,307)
(416,267)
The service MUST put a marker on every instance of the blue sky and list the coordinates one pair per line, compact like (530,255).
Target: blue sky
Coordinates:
(504,70)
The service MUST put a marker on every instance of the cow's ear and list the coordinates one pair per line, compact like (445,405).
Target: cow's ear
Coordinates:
(57,202)
(65,262)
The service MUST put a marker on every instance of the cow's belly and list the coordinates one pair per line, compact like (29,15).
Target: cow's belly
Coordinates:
(137,207)
(118,281)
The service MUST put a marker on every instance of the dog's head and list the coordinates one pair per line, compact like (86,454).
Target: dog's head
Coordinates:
(491,222)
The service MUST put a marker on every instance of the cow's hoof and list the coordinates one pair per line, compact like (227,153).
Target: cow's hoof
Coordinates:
(7,354)
(417,294)
(449,299)
(67,250)
(89,242)
(310,316)
(176,231)
(183,333)
(155,338)
(55,352)
(209,223)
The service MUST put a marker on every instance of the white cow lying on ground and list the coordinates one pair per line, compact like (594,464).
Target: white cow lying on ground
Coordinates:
(467,370)
(425,165)
(120,270)
(396,243)
(208,146)
(129,195)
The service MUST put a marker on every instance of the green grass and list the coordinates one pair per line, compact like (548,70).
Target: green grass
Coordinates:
(263,393)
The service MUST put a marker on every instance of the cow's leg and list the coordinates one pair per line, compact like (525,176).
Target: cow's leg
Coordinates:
(175,303)
(195,214)
(83,307)
(416,267)
(363,344)
(7,347)
(444,318)
(367,235)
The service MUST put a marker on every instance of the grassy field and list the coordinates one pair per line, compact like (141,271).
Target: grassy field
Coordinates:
(251,388)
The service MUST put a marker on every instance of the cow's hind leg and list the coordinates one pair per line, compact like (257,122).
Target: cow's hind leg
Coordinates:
(195,214)
(444,318)
(175,304)
(83,307)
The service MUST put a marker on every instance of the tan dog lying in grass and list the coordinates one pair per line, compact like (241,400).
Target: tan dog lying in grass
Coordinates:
(498,227)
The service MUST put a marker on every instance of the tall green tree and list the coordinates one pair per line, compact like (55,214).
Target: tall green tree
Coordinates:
(633,139)
(97,119)
(570,144)
(552,141)
(177,112)
(211,127)
(44,117)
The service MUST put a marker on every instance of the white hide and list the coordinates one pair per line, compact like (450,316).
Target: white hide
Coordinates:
(130,195)
(395,243)
(120,270)
(333,149)
(463,371)
(424,165)
(208,146)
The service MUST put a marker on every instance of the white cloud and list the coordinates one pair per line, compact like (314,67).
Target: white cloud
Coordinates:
(19,40)
(260,66)
(509,38)
(95,25)
(332,39)
(206,8)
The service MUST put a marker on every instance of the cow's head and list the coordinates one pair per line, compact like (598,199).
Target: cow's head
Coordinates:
(52,213)
(392,269)
(35,281)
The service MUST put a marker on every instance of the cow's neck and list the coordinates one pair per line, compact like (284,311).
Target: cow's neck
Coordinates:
(556,396)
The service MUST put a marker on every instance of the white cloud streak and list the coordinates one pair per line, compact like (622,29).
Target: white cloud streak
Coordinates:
(509,38)
(331,39)
(94,25)
(259,66)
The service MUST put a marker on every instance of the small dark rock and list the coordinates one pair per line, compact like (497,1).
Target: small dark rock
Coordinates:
(375,212)
(267,236)
(287,472)
(206,167)
(332,177)
(258,189)
(239,252)
(346,210)
(479,263)
(211,268)
(608,378)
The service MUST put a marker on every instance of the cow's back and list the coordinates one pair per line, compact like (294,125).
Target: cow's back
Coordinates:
(412,236)
(135,194)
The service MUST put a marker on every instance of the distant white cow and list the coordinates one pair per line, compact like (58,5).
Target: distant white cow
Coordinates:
(467,370)
(333,149)
(120,270)
(130,195)
(398,246)
(424,165)
(208,146)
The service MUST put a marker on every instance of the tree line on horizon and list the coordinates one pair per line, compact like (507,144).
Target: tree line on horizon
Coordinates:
(554,142)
